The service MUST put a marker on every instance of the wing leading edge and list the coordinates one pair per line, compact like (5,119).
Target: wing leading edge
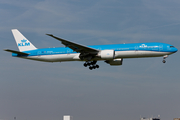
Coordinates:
(76,47)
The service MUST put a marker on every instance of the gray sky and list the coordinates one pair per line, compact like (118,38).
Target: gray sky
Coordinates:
(32,90)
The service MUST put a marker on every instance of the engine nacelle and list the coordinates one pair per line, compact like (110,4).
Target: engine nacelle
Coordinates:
(115,61)
(107,54)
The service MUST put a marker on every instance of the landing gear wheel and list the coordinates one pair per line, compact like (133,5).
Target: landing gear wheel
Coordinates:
(91,64)
(85,65)
(164,61)
(88,64)
(90,68)
(94,67)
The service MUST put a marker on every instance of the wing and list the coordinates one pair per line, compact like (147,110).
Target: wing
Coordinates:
(76,47)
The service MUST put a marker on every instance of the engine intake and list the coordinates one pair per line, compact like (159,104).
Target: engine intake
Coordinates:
(107,54)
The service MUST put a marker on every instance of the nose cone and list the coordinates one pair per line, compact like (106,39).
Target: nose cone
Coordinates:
(175,50)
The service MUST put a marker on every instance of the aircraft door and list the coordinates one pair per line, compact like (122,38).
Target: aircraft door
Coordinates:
(68,51)
(136,50)
(39,53)
(160,47)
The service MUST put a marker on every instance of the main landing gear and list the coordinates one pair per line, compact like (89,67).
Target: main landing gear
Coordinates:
(91,64)
(164,57)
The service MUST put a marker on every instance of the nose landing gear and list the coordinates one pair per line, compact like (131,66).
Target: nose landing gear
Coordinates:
(92,65)
(164,57)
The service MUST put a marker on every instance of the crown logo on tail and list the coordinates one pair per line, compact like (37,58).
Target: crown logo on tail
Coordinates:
(23,40)
(24,43)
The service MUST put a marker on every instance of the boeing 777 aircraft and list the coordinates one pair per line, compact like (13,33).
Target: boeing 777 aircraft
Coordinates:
(111,54)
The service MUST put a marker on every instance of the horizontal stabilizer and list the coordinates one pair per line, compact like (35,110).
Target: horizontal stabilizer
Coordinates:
(17,52)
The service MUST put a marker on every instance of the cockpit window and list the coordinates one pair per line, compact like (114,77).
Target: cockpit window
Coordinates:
(171,46)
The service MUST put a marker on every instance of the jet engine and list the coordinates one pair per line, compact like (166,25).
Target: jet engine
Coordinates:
(115,61)
(107,54)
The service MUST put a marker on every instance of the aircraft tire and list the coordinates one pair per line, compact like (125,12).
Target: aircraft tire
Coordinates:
(85,65)
(164,61)
(90,68)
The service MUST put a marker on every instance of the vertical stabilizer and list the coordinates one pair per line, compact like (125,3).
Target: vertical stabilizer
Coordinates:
(23,43)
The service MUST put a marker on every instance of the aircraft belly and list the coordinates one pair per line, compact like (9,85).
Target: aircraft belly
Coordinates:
(137,54)
(54,58)
(75,56)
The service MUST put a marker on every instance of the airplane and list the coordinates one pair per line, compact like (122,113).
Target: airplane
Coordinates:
(111,54)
